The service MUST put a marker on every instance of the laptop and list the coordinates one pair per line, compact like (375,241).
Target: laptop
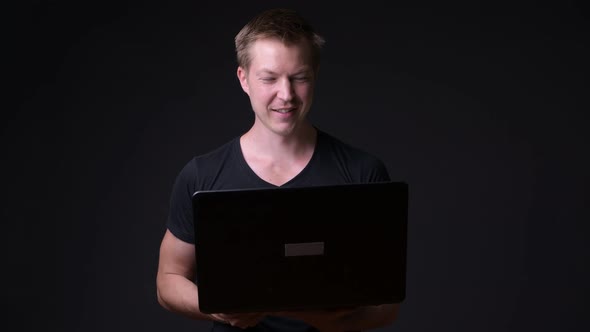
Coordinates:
(282,249)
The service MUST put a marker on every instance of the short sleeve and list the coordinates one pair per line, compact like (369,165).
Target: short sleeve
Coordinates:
(180,214)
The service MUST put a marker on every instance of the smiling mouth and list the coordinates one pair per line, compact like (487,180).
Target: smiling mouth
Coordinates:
(284,110)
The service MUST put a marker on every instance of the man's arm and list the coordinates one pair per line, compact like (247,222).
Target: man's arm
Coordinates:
(178,293)
(175,289)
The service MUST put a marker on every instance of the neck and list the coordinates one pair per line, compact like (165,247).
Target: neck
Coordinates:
(267,144)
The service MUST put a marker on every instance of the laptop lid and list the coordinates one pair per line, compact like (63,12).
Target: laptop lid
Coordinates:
(300,248)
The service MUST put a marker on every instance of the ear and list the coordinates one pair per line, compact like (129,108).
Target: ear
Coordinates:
(243,77)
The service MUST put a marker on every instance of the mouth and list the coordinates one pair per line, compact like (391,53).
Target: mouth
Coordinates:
(284,110)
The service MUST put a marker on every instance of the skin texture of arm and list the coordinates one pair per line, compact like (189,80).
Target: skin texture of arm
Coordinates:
(178,293)
(176,268)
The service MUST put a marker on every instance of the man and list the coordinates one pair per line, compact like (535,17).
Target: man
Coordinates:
(278,56)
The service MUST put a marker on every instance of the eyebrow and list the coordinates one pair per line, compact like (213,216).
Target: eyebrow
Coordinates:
(270,72)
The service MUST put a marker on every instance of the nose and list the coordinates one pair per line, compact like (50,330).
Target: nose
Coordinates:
(285,89)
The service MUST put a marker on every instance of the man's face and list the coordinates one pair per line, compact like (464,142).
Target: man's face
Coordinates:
(279,82)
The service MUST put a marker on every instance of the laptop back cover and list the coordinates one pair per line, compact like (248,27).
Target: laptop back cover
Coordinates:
(301,248)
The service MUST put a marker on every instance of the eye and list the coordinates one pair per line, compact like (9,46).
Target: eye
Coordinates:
(267,79)
(301,79)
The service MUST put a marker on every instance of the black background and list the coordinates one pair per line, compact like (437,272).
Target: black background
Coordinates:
(482,109)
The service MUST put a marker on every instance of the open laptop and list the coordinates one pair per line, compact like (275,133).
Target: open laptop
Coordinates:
(283,249)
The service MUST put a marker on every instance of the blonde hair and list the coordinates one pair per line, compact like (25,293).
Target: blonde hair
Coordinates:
(286,25)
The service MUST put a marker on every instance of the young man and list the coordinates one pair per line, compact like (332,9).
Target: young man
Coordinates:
(278,61)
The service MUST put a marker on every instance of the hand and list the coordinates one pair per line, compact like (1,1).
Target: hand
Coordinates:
(328,320)
(241,320)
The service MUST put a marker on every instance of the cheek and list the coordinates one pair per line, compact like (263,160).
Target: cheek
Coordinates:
(304,92)
(261,96)
(265,92)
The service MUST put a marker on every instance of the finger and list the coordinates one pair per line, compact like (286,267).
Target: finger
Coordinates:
(257,318)
(248,322)
(254,319)
(228,319)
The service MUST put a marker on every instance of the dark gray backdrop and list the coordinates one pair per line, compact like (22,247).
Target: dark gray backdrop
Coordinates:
(481,109)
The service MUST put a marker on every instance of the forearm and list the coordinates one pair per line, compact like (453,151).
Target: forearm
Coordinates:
(179,294)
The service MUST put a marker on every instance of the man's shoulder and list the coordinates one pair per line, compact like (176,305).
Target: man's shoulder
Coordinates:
(220,151)
(206,170)
(357,164)
(211,159)
(341,146)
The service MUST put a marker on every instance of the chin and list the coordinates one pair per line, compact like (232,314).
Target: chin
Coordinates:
(284,131)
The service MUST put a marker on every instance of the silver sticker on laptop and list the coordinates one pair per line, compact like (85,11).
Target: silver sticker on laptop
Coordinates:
(304,249)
